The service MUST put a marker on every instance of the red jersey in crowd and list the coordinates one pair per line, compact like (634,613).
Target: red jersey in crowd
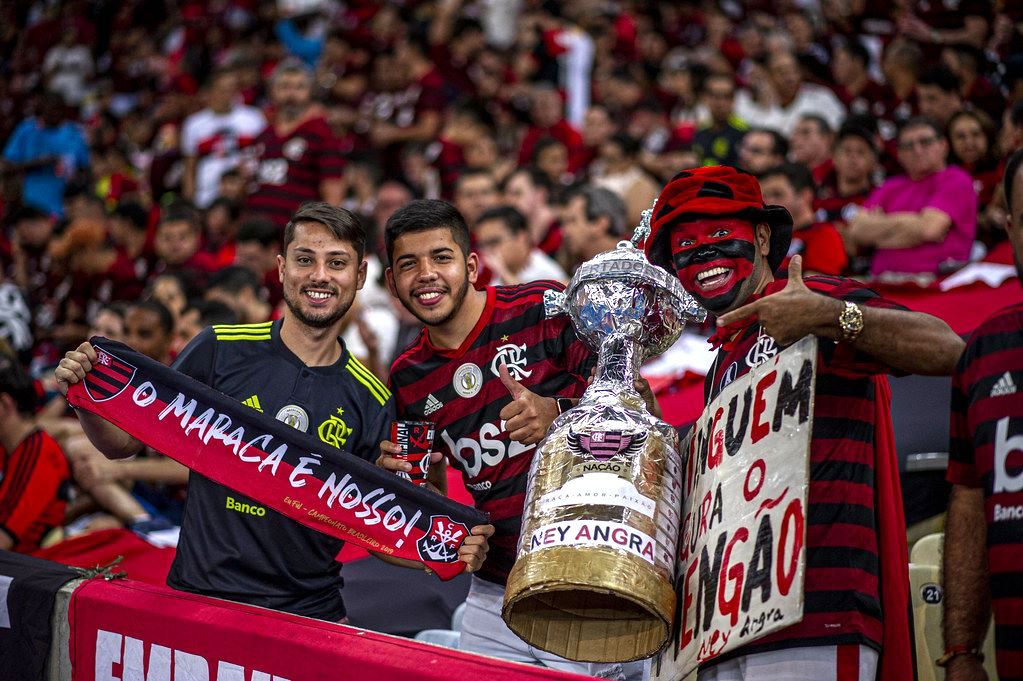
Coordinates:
(34,482)
(822,248)
(291,168)
(986,432)
(461,391)
(843,566)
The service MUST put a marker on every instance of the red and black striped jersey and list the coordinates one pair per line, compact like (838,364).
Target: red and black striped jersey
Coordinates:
(461,391)
(33,490)
(986,451)
(842,599)
(292,167)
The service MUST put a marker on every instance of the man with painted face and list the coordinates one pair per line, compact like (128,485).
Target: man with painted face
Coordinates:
(712,229)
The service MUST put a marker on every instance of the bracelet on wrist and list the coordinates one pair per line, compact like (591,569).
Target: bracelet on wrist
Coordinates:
(953,652)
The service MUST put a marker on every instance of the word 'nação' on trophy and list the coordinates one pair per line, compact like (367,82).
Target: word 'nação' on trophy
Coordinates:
(593,580)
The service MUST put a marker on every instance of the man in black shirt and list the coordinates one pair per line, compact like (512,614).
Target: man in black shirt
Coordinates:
(298,370)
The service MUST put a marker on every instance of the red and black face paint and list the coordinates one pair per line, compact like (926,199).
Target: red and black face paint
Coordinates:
(712,258)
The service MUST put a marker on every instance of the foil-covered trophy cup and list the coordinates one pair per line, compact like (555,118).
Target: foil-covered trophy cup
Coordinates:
(596,559)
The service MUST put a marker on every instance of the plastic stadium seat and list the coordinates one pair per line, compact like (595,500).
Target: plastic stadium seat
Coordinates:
(456,617)
(928,551)
(928,597)
(439,637)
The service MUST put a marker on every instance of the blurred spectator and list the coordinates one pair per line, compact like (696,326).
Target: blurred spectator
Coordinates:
(761,149)
(390,196)
(299,159)
(975,88)
(902,63)
(924,221)
(933,24)
(620,172)
(178,238)
(971,137)
(196,316)
(856,89)
(548,121)
(242,291)
(811,144)
(475,192)
(717,141)
(34,481)
(109,322)
(173,290)
(48,152)
(68,66)
(598,126)
(503,238)
(149,329)
(851,179)
(937,94)
(128,227)
(550,156)
(778,101)
(592,222)
(791,185)
(257,246)
(214,139)
(220,230)
(530,192)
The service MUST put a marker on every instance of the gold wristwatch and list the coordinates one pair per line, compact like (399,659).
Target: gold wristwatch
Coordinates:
(850,320)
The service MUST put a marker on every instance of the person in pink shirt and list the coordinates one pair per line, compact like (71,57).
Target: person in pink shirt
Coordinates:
(924,221)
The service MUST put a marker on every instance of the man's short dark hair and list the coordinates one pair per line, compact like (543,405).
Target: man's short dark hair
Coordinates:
(921,122)
(1012,168)
(779,143)
(599,202)
(512,218)
(212,312)
(823,127)
(857,50)
(940,77)
(537,178)
(629,145)
(180,210)
(234,279)
(474,171)
(260,229)
(421,215)
(16,382)
(858,131)
(133,213)
(160,310)
(233,208)
(26,213)
(798,175)
(341,223)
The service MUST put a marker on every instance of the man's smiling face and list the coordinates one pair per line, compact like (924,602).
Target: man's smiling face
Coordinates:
(716,258)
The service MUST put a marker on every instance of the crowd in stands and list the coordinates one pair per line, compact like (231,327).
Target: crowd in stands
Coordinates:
(152,152)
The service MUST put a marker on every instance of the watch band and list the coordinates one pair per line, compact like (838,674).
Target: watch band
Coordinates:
(564,404)
(850,321)
(954,651)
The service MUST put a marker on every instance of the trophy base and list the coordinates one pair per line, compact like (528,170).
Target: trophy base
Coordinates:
(589,604)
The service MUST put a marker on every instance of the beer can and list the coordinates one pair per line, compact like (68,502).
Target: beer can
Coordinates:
(416,441)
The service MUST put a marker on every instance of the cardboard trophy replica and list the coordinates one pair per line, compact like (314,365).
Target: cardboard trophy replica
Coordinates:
(596,560)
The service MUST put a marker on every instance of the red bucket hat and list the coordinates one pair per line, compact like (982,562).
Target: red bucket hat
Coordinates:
(715,191)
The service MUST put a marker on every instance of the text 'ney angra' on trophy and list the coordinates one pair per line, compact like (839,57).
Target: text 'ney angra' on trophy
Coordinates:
(595,563)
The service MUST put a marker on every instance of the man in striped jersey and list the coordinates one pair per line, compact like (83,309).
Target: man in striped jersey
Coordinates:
(711,227)
(298,369)
(984,532)
(492,371)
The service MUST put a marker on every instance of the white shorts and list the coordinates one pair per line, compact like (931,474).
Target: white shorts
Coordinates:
(484,632)
(812,663)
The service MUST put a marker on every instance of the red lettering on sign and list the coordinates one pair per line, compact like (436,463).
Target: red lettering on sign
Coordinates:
(760,429)
(687,602)
(793,512)
(760,466)
(704,514)
(734,574)
(717,449)
(620,536)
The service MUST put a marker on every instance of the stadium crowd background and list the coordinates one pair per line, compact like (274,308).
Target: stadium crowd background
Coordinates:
(153,151)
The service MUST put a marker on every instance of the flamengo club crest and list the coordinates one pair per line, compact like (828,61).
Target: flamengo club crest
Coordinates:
(515,357)
(606,444)
(441,542)
(108,378)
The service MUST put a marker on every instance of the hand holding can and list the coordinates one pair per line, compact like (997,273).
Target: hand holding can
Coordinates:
(416,441)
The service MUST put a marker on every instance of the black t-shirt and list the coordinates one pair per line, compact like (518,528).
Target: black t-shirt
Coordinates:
(234,548)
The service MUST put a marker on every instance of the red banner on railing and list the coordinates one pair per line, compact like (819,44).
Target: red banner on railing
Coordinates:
(123,630)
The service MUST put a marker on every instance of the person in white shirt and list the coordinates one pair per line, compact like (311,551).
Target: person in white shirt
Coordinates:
(68,67)
(503,238)
(214,139)
(780,100)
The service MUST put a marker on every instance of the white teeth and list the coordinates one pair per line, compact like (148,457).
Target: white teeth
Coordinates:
(712,272)
(432,295)
(317,295)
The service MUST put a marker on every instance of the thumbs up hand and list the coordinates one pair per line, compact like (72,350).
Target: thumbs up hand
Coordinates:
(528,416)
(792,312)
